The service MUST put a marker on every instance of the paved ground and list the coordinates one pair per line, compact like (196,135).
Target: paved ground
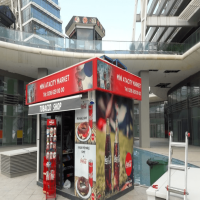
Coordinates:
(25,188)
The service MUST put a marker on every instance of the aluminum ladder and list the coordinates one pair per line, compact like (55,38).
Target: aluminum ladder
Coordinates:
(177,167)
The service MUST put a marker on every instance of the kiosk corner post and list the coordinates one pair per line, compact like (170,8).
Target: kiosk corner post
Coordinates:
(95,74)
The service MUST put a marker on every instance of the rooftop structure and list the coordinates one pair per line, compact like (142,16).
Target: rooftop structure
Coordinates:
(92,23)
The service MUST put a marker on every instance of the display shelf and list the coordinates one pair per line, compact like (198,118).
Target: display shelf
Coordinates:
(49,163)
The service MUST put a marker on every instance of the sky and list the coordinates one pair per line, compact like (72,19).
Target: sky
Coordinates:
(116,16)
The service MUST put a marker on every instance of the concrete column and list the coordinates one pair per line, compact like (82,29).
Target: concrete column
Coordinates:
(42,72)
(144,111)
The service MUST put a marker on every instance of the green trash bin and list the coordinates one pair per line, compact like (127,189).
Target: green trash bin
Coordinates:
(158,167)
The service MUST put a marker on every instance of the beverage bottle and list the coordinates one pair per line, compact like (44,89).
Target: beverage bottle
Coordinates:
(105,79)
(90,172)
(98,79)
(116,158)
(108,160)
(90,109)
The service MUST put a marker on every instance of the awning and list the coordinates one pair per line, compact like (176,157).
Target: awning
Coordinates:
(58,105)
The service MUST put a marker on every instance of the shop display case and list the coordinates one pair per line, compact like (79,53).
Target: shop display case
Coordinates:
(49,163)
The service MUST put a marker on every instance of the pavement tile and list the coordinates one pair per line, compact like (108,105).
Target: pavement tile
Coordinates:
(27,191)
(36,197)
(40,192)
(23,197)
(9,197)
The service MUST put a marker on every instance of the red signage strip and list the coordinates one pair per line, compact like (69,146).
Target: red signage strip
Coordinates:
(72,80)
(89,75)
(117,81)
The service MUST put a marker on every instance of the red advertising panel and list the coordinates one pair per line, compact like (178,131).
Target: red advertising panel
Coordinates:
(114,145)
(89,75)
(117,80)
(72,80)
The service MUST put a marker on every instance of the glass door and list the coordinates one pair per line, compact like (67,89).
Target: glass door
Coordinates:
(180,135)
(196,131)
(153,130)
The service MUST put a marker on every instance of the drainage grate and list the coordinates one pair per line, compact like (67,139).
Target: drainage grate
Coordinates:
(171,71)
(153,70)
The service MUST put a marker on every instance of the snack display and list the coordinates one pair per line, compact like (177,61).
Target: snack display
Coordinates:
(54,138)
(83,186)
(51,131)
(54,155)
(83,130)
(49,163)
(51,145)
(47,147)
(47,155)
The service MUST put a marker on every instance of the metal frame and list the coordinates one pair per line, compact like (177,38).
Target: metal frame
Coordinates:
(177,167)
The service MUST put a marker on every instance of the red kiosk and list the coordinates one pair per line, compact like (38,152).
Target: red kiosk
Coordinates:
(85,123)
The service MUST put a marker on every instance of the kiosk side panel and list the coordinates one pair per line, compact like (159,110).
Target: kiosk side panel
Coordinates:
(115,80)
(114,144)
(85,150)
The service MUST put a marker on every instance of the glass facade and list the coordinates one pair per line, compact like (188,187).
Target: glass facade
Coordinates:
(55,1)
(32,11)
(34,27)
(157,120)
(16,127)
(44,4)
(183,110)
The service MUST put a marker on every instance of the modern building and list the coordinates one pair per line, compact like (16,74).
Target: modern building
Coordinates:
(35,20)
(158,125)
(85,33)
(183,109)
(16,127)
(163,24)
(41,17)
(167,20)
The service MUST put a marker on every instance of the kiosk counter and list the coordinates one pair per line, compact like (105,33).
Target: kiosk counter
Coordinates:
(91,106)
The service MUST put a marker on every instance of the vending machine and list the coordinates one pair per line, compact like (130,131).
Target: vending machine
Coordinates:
(49,164)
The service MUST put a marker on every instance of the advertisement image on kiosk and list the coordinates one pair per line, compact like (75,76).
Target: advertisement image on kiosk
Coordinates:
(114,144)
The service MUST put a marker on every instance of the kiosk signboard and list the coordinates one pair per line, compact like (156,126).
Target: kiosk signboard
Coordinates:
(117,80)
(93,74)
(72,80)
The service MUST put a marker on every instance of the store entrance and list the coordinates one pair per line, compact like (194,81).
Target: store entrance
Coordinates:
(65,122)
(68,126)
